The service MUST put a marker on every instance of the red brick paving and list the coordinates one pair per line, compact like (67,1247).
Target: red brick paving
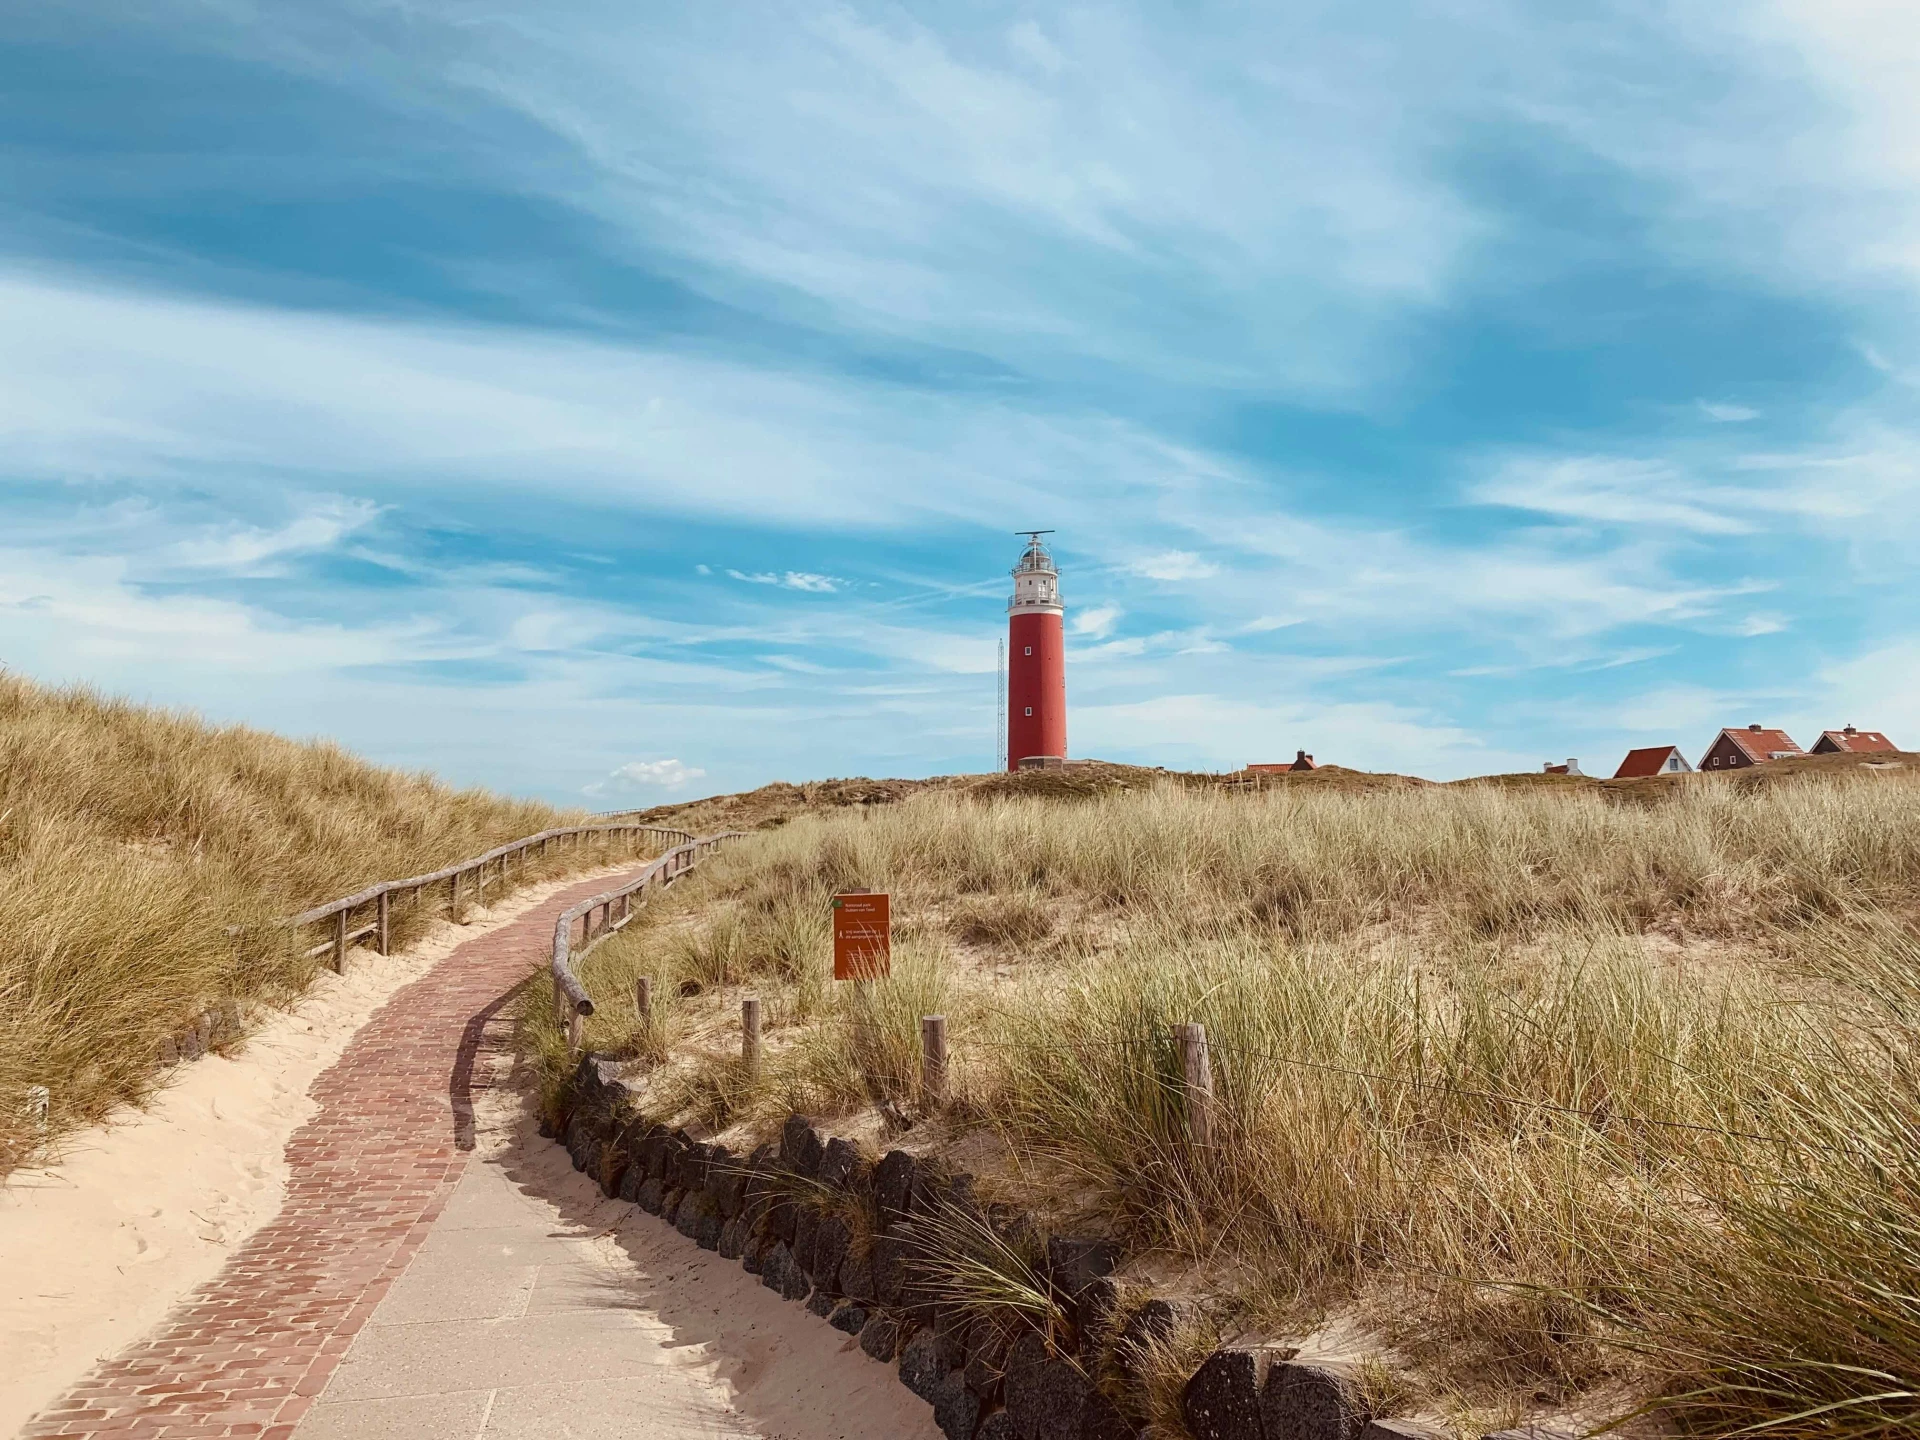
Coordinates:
(247,1353)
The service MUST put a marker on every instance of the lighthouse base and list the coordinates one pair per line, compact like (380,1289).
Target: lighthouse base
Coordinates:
(1040,762)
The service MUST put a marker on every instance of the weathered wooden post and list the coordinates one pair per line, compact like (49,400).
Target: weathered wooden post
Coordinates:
(1198,1076)
(39,1102)
(340,941)
(933,1060)
(750,1036)
(643,999)
(453,897)
(384,936)
(575,1022)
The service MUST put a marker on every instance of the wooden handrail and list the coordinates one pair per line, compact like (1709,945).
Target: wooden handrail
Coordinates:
(571,1003)
(340,911)
(512,847)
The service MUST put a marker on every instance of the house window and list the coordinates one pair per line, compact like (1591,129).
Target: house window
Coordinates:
(1029,709)
(1029,649)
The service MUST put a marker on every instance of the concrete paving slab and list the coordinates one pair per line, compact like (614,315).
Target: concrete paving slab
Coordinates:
(407,1417)
(428,1359)
(544,1240)
(618,1410)
(449,1290)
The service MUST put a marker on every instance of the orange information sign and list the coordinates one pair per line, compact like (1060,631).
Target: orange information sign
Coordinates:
(862,937)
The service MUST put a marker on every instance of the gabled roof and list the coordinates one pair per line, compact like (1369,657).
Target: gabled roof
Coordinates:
(1648,761)
(1762,745)
(1858,741)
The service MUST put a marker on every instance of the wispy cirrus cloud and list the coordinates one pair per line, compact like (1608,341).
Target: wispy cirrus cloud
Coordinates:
(792,580)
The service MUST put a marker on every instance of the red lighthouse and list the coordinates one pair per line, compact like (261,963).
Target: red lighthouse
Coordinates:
(1036,660)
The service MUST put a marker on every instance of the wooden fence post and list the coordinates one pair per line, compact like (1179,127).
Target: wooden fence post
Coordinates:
(750,1035)
(643,999)
(574,1024)
(1198,1075)
(385,933)
(559,1004)
(453,897)
(933,1060)
(340,942)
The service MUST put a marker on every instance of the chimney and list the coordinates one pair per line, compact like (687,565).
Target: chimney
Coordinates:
(1754,727)
(1302,760)
(1851,731)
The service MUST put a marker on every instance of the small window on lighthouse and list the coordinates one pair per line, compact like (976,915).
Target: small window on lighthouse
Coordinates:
(1029,649)
(1029,709)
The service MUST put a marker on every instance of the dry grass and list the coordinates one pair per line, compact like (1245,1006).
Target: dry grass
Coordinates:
(1556,1096)
(132,838)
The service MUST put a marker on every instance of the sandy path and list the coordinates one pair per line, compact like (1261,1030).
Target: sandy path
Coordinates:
(95,1251)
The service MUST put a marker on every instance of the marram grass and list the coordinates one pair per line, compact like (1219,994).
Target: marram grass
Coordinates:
(1555,1095)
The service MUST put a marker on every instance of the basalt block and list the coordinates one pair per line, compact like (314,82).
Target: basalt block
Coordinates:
(631,1179)
(732,1243)
(840,1164)
(832,1243)
(774,1265)
(856,1277)
(729,1183)
(820,1303)
(997,1426)
(1311,1402)
(1046,1396)
(889,1260)
(806,1228)
(923,1364)
(989,1341)
(1221,1400)
(881,1337)
(956,1409)
(649,1196)
(699,1219)
(849,1316)
(801,1148)
(893,1186)
(753,1258)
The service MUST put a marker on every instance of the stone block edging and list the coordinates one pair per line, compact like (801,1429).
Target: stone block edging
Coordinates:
(779,1212)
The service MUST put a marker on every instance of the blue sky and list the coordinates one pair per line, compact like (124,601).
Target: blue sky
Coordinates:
(617,403)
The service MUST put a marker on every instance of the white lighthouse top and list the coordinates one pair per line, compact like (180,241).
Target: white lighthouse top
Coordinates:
(1036,584)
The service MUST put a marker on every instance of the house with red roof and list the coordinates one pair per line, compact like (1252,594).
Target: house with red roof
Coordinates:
(1301,761)
(1653,760)
(1849,741)
(1743,749)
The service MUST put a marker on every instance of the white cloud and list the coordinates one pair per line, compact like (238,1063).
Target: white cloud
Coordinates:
(1029,43)
(1724,414)
(646,775)
(1762,623)
(246,549)
(1097,622)
(1174,565)
(791,580)
(1615,491)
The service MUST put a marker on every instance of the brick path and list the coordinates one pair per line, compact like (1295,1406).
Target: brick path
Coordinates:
(246,1354)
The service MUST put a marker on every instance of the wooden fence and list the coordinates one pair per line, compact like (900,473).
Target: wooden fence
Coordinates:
(571,1004)
(372,908)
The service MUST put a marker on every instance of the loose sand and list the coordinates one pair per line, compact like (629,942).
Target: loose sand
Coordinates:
(94,1251)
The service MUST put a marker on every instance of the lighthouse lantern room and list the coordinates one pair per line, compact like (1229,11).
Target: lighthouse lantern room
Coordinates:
(1036,660)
